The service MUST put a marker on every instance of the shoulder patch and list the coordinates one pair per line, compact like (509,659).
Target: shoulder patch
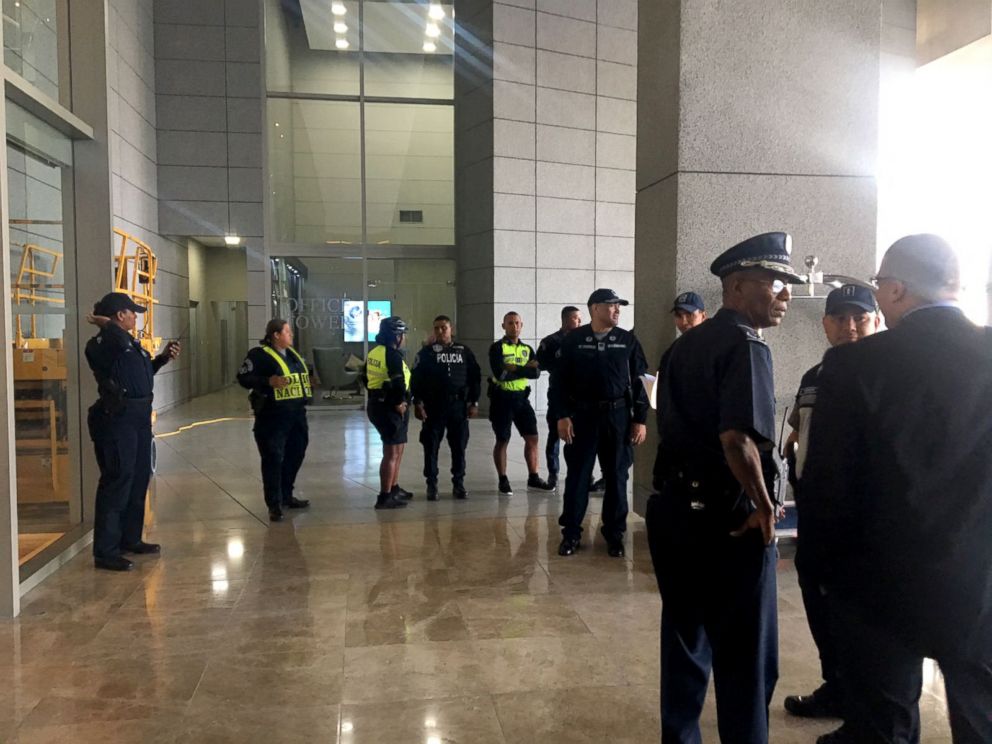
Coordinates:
(247,367)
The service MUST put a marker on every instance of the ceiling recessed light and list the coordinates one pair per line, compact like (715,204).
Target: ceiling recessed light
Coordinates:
(232,240)
(432,30)
(430,46)
(340,27)
(436,12)
(341,43)
(338,8)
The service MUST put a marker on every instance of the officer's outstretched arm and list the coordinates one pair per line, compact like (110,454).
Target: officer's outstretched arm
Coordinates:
(744,460)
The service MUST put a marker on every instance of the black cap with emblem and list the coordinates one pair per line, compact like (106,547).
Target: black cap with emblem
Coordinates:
(114,302)
(606,296)
(769,251)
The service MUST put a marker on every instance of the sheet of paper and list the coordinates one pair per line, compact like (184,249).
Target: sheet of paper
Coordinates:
(651,388)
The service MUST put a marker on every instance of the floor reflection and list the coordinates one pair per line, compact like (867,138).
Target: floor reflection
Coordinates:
(448,621)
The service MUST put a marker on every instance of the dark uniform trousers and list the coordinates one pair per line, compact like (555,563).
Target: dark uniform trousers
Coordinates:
(282,438)
(604,430)
(552,447)
(449,415)
(719,612)
(882,678)
(818,616)
(123,443)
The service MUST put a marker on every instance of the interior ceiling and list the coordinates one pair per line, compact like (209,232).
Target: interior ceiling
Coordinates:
(391,27)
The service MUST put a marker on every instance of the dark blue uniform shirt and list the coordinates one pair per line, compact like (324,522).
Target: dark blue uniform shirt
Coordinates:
(446,371)
(121,367)
(592,370)
(716,377)
(547,356)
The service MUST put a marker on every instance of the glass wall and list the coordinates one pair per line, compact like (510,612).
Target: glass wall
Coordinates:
(31,42)
(360,122)
(39,160)
(335,305)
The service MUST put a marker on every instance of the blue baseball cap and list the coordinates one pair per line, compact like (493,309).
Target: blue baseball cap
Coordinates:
(851,294)
(114,302)
(770,251)
(689,302)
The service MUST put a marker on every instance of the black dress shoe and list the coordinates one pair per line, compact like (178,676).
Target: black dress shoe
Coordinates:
(143,548)
(568,546)
(459,492)
(117,563)
(597,486)
(824,702)
(295,503)
(432,491)
(389,501)
(615,549)
(275,515)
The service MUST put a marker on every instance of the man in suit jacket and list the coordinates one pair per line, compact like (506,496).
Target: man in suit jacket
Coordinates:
(898,505)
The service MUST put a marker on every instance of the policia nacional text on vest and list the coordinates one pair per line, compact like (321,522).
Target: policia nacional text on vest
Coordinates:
(378,375)
(299,385)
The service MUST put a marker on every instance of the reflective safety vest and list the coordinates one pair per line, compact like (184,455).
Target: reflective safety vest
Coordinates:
(300,385)
(375,369)
(518,354)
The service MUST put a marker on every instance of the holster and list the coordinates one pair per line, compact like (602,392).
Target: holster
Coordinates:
(257,401)
(776,472)
(113,398)
(712,492)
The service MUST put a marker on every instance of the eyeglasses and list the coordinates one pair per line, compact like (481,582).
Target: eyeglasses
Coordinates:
(776,285)
(875,281)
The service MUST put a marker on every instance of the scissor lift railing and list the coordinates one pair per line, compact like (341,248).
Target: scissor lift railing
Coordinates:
(38,266)
(135,276)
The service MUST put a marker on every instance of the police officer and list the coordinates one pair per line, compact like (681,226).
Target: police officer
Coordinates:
(446,382)
(711,525)
(120,424)
(279,381)
(547,358)
(850,315)
(602,409)
(388,409)
(688,311)
(513,364)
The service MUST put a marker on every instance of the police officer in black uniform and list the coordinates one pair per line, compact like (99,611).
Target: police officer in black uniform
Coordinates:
(445,384)
(120,424)
(850,315)
(711,524)
(602,408)
(547,357)
(279,381)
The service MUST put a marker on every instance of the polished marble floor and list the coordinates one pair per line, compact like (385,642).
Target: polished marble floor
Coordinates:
(444,623)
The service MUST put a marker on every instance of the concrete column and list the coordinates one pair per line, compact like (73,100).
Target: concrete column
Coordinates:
(545,152)
(753,116)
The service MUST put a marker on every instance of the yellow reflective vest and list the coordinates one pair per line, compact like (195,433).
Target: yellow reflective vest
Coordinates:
(375,369)
(299,387)
(518,354)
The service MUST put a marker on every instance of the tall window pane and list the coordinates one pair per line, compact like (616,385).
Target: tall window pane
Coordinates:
(410,174)
(31,42)
(38,162)
(409,49)
(304,53)
(315,171)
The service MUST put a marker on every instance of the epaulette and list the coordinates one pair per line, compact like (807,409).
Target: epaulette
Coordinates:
(751,334)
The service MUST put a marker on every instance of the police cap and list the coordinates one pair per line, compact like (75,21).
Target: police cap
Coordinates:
(606,296)
(688,302)
(769,251)
(115,302)
(853,295)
